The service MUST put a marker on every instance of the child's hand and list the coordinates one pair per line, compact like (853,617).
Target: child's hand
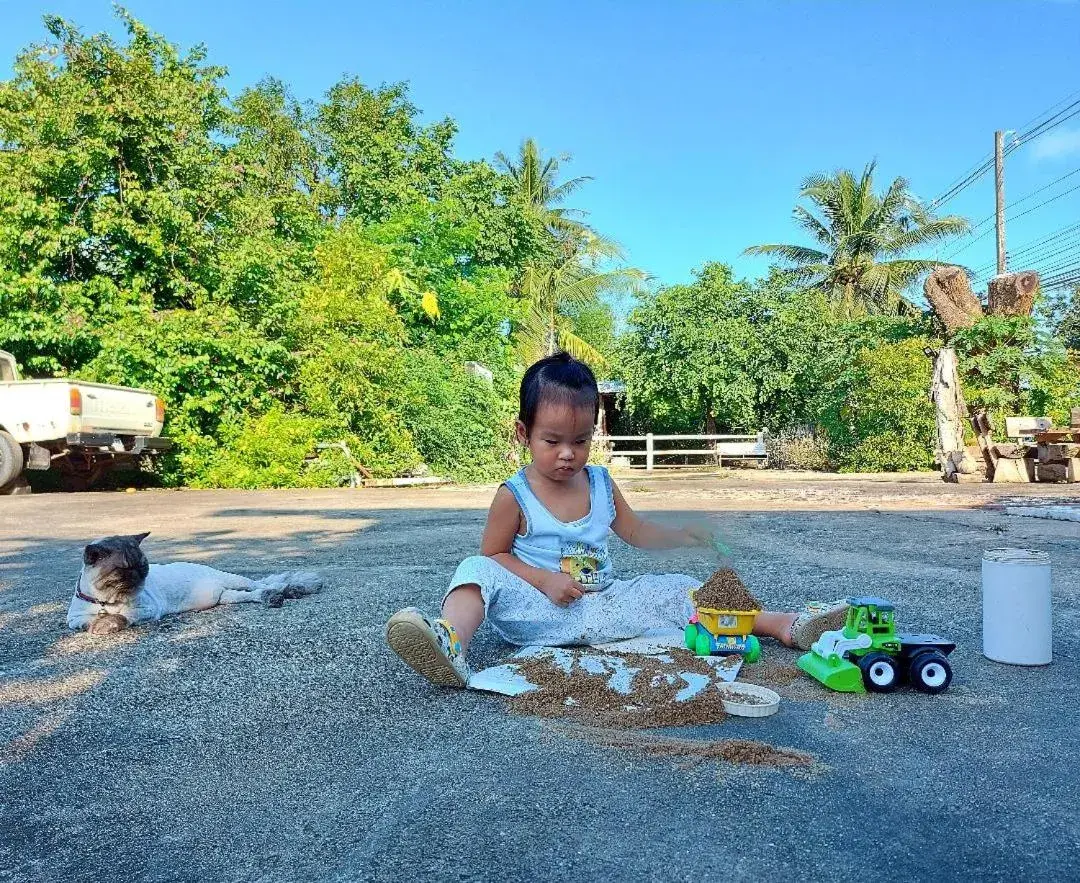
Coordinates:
(561,589)
(700,535)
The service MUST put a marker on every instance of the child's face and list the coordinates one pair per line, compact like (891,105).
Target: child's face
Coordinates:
(560,440)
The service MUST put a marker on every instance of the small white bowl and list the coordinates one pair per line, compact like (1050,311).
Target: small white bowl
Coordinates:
(745,709)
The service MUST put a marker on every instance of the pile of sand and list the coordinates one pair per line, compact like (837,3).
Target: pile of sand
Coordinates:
(725,591)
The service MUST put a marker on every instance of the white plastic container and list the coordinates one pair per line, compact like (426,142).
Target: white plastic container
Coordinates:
(1017,621)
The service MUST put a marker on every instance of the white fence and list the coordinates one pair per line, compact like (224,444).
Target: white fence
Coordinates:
(732,447)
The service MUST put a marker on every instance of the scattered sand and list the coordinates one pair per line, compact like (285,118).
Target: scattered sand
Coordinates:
(742,698)
(586,697)
(745,752)
(725,591)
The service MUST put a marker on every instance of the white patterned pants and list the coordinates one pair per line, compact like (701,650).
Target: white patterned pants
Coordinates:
(523,615)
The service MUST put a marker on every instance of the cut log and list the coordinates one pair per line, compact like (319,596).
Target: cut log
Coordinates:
(1072,471)
(1058,452)
(980,422)
(1012,471)
(951,409)
(1074,417)
(1009,450)
(1012,294)
(1053,471)
(948,291)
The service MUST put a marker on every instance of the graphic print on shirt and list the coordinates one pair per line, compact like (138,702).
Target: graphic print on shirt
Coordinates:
(584,563)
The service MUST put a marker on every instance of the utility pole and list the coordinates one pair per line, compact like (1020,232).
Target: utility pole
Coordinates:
(999,194)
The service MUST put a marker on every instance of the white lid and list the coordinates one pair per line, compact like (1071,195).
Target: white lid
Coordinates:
(1032,557)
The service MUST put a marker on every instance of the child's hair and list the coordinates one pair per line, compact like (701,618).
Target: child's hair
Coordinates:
(558,379)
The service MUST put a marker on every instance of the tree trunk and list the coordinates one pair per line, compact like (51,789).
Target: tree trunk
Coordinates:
(1013,294)
(951,411)
(948,291)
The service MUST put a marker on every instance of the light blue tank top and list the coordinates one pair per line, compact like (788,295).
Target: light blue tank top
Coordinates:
(579,548)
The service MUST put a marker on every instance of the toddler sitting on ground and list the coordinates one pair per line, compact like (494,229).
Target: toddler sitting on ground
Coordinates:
(544,575)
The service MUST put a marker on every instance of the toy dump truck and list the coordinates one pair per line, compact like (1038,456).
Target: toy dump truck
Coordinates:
(868,654)
(721,632)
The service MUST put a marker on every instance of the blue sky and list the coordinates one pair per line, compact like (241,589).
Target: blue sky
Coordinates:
(698,120)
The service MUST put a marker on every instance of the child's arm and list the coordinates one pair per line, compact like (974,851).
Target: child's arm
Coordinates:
(504,516)
(636,531)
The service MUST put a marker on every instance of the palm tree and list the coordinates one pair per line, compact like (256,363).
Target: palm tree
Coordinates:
(576,277)
(581,267)
(862,239)
(537,181)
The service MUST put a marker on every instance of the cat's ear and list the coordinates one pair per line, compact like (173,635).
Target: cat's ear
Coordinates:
(139,537)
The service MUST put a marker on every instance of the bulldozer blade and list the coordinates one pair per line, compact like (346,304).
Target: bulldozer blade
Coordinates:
(841,675)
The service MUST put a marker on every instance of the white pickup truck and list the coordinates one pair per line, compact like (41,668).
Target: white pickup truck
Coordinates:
(81,429)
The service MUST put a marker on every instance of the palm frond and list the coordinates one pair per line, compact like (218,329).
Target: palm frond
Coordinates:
(579,348)
(814,226)
(795,254)
(559,192)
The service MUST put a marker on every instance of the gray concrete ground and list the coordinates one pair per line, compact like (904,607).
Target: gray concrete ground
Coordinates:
(289,744)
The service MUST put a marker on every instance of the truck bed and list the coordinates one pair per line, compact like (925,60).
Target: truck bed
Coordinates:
(45,410)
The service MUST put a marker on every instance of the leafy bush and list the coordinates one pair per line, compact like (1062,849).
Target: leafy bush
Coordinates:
(1011,367)
(797,448)
(275,450)
(878,416)
(460,424)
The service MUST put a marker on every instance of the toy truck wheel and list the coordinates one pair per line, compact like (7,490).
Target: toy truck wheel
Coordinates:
(690,636)
(930,672)
(753,650)
(880,673)
(703,646)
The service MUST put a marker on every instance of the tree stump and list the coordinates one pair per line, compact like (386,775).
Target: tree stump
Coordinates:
(950,410)
(1012,294)
(948,291)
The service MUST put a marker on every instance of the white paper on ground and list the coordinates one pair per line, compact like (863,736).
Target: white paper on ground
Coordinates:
(508,680)
(1054,513)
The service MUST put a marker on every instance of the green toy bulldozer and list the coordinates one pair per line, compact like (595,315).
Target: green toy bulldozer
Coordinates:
(868,654)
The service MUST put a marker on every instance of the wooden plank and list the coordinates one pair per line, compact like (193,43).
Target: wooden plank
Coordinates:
(1015,427)
(1052,436)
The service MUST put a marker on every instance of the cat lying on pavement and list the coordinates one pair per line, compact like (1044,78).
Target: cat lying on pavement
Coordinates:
(118,587)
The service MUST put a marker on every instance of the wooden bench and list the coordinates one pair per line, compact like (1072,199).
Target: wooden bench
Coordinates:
(1036,450)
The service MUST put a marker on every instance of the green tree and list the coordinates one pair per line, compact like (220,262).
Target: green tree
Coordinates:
(862,241)
(1011,366)
(724,353)
(876,414)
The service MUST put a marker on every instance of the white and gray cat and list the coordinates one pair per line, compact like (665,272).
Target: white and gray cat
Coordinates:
(118,587)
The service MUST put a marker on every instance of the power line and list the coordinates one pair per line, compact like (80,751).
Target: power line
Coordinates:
(1051,108)
(1056,120)
(989,230)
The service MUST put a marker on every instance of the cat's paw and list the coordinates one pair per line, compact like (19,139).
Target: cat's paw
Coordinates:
(273,597)
(107,624)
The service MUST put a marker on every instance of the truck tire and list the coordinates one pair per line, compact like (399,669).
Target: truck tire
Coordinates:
(880,672)
(11,459)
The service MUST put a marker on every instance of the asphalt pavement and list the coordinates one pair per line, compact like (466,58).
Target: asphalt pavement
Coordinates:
(249,743)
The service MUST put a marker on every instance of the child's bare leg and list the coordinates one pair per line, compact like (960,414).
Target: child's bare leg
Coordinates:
(803,628)
(769,624)
(464,608)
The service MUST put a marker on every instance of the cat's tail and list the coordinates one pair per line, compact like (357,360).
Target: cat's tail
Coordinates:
(292,585)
